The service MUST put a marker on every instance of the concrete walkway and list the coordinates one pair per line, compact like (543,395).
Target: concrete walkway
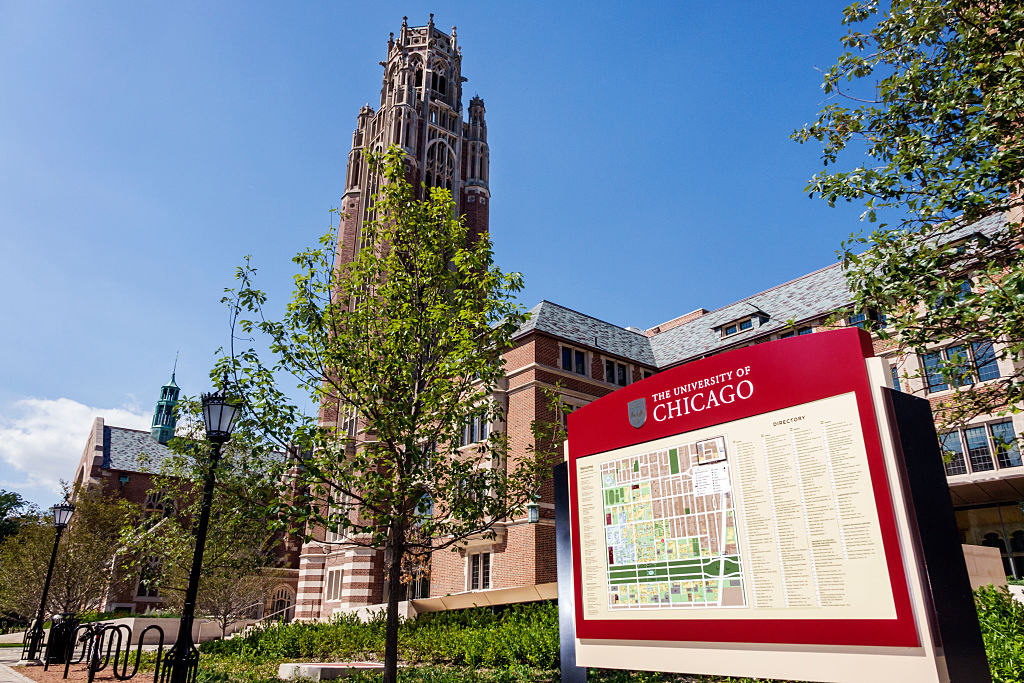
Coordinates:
(8,674)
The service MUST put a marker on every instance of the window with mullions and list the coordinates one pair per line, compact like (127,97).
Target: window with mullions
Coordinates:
(616,373)
(795,333)
(742,325)
(962,290)
(1005,442)
(978,452)
(965,364)
(148,579)
(866,320)
(983,442)
(953,454)
(332,588)
(479,571)
(574,360)
(895,377)
(985,361)
(476,429)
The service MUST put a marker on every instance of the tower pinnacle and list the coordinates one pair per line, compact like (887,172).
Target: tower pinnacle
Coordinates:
(164,421)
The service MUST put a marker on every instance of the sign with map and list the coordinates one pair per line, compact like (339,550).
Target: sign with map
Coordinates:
(747,503)
(670,529)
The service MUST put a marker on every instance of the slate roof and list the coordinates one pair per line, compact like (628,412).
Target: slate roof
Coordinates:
(810,296)
(807,297)
(132,450)
(986,226)
(575,327)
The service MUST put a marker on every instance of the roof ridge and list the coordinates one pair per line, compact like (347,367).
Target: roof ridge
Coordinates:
(585,315)
(752,296)
(129,429)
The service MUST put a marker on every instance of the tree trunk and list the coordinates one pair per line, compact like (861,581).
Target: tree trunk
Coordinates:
(393,562)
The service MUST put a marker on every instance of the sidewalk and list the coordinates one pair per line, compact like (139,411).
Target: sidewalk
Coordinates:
(9,674)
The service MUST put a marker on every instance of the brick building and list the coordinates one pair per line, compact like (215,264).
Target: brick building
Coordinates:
(123,463)
(583,358)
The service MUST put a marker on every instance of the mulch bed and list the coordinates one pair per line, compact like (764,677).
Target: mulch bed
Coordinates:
(78,673)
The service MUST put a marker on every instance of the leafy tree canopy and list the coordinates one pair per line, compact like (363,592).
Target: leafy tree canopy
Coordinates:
(239,556)
(928,109)
(401,348)
(84,571)
(11,506)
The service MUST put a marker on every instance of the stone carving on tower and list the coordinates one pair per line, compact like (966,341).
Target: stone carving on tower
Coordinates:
(421,111)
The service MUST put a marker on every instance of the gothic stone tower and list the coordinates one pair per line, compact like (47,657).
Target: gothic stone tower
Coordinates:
(421,111)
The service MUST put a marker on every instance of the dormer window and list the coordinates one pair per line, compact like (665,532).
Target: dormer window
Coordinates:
(742,325)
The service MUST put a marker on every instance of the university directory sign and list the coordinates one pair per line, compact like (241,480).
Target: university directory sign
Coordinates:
(743,500)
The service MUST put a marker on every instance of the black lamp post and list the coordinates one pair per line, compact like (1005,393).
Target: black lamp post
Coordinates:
(182,660)
(34,638)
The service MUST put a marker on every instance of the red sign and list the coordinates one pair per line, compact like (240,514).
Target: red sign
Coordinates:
(732,386)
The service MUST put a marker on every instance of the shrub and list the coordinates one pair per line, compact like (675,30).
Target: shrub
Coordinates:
(518,635)
(1002,628)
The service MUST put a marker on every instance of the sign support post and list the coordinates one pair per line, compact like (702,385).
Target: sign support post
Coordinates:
(919,458)
(571,673)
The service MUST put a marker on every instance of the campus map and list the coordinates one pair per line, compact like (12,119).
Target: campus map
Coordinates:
(670,529)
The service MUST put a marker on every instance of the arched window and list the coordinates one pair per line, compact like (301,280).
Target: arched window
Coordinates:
(282,604)
(155,506)
(440,170)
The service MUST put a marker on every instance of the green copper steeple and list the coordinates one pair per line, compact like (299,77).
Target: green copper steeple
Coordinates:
(163,417)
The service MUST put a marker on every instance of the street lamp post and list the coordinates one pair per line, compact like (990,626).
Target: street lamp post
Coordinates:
(34,638)
(182,660)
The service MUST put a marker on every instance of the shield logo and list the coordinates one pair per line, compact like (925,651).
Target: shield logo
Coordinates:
(637,412)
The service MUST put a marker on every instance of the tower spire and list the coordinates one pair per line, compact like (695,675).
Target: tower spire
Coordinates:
(164,421)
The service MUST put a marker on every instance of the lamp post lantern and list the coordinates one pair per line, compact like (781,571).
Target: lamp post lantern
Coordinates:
(182,660)
(533,510)
(34,638)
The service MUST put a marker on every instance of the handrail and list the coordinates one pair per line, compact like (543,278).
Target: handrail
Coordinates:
(272,614)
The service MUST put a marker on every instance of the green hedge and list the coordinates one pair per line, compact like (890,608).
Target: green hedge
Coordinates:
(517,635)
(512,644)
(1002,628)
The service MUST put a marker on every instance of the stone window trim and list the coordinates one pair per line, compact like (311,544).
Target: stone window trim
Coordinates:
(575,360)
(980,365)
(478,570)
(621,373)
(334,579)
(981,447)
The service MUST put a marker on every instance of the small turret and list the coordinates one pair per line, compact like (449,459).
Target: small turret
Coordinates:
(163,417)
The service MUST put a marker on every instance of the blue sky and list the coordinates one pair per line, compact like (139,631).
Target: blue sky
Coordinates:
(641,168)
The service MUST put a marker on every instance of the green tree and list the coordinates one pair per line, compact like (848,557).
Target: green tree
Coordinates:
(85,564)
(11,506)
(158,543)
(401,348)
(927,113)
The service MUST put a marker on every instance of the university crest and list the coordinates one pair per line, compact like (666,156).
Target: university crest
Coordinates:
(637,412)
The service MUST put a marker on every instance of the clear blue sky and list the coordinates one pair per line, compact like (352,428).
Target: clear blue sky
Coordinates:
(641,168)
